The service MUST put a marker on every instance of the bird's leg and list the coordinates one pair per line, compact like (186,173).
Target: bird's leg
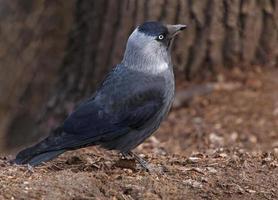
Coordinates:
(30,168)
(126,155)
(141,161)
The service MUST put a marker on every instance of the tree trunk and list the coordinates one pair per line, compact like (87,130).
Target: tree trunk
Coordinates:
(222,33)
(33,38)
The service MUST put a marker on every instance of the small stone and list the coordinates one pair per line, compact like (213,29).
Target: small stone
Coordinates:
(251,191)
(197,120)
(215,139)
(193,183)
(193,159)
(211,170)
(253,139)
(217,126)
(234,136)
(223,155)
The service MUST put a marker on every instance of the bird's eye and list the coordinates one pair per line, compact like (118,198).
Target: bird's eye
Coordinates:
(161,37)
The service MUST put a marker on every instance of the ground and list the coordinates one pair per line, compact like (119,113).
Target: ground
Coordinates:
(220,146)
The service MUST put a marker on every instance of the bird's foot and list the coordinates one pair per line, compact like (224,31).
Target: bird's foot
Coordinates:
(30,168)
(144,164)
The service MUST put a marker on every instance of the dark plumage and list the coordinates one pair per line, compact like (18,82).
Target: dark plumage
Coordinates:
(153,28)
(126,109)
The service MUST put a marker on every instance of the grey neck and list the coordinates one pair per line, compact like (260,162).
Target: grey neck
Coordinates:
(149,62)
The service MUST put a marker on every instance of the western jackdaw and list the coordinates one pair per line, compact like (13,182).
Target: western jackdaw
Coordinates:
(128,106)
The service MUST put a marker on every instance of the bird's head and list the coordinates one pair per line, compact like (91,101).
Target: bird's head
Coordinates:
(157,34)
(152,40)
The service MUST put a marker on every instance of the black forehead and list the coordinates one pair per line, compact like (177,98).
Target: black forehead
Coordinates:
(152,28)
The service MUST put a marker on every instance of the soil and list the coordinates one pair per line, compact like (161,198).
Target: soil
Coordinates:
(220,146)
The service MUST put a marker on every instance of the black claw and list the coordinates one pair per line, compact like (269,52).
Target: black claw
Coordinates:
(144,164)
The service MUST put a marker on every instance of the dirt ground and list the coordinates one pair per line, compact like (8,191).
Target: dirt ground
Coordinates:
(220,146)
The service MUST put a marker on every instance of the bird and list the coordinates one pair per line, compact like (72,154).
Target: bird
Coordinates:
(127,107)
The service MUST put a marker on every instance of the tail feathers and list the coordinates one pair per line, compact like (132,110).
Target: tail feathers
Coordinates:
(37,159)
(44,157)
(44,151)
(55,144)
(25,155)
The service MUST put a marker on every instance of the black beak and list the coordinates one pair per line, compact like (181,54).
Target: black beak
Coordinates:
(175,29)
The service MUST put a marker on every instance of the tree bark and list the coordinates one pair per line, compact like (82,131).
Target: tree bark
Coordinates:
(33,37)
(35,91)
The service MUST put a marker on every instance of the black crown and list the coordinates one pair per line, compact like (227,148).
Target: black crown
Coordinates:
(153,28)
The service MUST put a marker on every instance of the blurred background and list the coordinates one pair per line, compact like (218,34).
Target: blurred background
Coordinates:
(53,53)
